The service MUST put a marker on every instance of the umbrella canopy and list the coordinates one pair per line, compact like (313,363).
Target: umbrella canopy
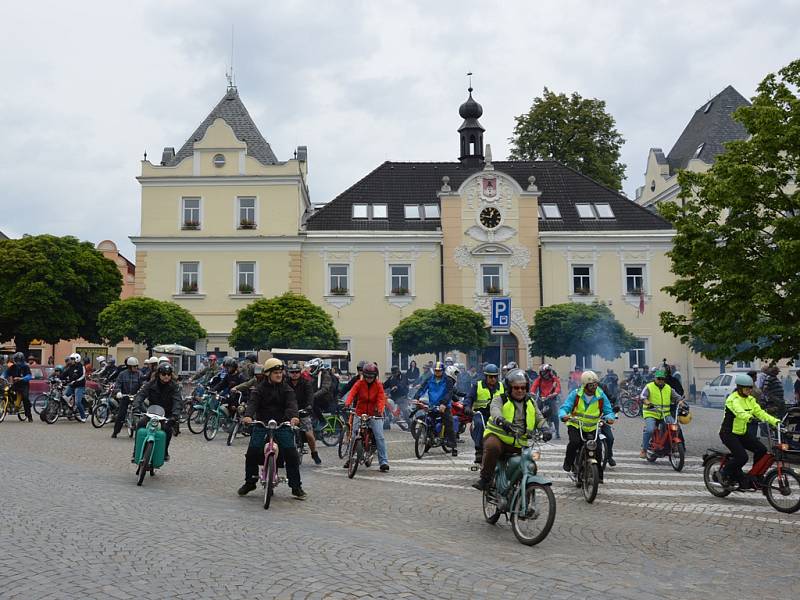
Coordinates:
(174,349)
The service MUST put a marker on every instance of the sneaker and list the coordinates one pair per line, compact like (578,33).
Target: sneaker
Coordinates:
(114,435)
(299,493)
(346,465)
(481,484)
(246,488)
(384,468)
(642,454)
(567,466)
(81,419)
(317,459)
(611,462)
(455,452)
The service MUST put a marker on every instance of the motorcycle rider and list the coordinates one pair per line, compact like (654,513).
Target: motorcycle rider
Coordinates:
(224,382)
(514,417)
(272,399)
(478,400)
(440,398)
(75,378)
(636,379)
(165,392)
(248,365)
(368,398)
(304,395)
(740,408)
(206,373)
(349,385)
(149,368)
(611,382)
(548,387)
(396,388)
(323,384)
(589,405)
(127,385)
(18,374)
(656,395)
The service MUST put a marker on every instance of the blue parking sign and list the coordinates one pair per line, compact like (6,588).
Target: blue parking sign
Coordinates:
(501,312)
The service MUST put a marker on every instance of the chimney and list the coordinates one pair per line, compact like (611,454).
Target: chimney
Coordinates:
(302,153)
(167,155)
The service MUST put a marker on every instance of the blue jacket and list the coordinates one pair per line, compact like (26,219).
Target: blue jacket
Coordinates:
(569,404)
(439,392)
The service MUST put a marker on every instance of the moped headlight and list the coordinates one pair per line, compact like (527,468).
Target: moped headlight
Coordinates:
(536,455)
(591,444)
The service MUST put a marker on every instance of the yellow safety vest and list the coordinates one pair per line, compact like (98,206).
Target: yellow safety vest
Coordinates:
(508,414)
(589,416)
(484,396)
(659,398)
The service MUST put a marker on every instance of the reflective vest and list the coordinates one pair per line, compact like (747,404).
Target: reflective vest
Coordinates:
(589,416)
(484,396)
(508,414)
(743,409)
(660,398)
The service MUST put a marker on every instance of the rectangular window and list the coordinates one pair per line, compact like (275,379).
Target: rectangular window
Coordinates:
(585,211)
(400,279)
(634,280)
(431,211)
(245,277)
(190,277)
(342,364)
(338,279)
(638,354)
(604,211)
(582,280)
(380,211)
(188,364)
(411,211)
(247,213)
(551,211)
(191,213)
(491,279)
(360,211)
(584,361)
(744,364)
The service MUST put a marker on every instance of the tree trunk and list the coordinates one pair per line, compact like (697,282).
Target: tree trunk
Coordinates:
(22,344)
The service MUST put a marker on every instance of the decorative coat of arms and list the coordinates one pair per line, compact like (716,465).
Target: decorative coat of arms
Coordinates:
(489,189)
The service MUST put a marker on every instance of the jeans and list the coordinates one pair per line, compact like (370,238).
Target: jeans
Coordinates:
(649,427)
(478,425)
(79,392)
(574,446)
(254,457)
(376,425)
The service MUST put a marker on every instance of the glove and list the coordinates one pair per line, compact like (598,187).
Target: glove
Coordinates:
(503,424)
(119,395)
(547,436)
(468,411)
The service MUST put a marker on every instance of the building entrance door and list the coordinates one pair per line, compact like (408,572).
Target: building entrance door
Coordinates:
(491,352)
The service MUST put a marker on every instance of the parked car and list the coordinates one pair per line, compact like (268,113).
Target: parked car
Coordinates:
(716,391)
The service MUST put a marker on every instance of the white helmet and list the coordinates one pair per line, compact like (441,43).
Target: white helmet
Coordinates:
(101,359)
(635,367)
(151,360)
(75,356)
(449,360)
(589,377)
(131,361)
(162,359)
(452,372)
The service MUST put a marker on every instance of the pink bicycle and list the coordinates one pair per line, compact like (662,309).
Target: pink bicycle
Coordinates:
(268,472)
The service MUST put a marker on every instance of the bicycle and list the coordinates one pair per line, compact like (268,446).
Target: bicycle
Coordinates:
(330,431)
(236,421)
(586,470)
(10,403)
(196,419)
(631,404)
(431,433)
(343,442)
(104,410)
(362,446)
(300,437)
(666,439)
(268,472)
(216,416)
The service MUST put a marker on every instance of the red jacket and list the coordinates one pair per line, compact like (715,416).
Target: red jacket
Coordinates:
(369,398)
(546,387)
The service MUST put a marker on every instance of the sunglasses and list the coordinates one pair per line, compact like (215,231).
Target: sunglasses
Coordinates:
(519,387)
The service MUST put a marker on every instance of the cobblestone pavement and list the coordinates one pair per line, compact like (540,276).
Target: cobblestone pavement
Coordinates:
(77,526)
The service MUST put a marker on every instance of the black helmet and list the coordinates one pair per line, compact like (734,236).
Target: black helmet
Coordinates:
(229,361)
(395,369)
(18,357)
(491,369)
(360,365)
(294,367)
(165,369)
(252,357)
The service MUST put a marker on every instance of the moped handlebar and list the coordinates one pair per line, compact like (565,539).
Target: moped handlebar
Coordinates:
(277,425)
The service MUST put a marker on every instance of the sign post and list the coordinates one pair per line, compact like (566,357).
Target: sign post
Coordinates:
(501,320)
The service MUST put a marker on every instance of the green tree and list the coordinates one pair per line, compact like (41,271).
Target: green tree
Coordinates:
(737,248)
(439,329)
(53,288)
(287,321)
(575,131)
(579,329)
(150,322)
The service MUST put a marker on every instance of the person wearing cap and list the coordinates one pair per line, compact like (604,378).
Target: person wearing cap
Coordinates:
(657,399)
(478,400)
(165,392)
(126,386)
(304,394)
(206,373)
(272,399)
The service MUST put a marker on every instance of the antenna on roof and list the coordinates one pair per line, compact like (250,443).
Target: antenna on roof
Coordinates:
(229,74)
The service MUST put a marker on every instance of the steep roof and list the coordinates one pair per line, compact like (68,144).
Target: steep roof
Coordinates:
(233,112)
(398,183)
(711,126)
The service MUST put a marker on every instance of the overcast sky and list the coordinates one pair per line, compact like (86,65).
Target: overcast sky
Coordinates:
(89,86)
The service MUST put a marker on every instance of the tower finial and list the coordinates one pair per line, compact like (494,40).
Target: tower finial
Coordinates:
(229,74)
(470,82)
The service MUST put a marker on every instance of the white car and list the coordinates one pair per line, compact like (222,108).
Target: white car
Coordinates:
(716,391)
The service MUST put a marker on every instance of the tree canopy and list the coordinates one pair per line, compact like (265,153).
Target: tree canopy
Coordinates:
(736,254)
(578,329)
(439,329)
(575,131)
(287,321)
(150,322)
(53,288)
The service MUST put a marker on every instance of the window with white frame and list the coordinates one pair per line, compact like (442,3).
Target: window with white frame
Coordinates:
(744,364)
(604,211)
(338,279)
(491,276)
(189,277)
(360,211)
(411,211)
(400,276)
(399,360)
(584,361)
(431,211)
(247,213)
(191,212)
(585,211)
(551,211)
(245,277)
(582,280)
(380,211)
(341,364)
(638,354)
(634,279)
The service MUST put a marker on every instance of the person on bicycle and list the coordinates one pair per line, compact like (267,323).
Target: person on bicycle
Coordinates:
(127,384)
(206,373)
(258,377)
(304,396)
(368,398)
(478,400)
(75,378)
(740,408)
(224,382)
(163,391)
(636,379)
(657,400)
(548,386)
(18,374)
(324,385)
(589,405)
(513,418)
(396,386)
(440,399)
(272,399)
(357,377)
(149,368)
(248,365)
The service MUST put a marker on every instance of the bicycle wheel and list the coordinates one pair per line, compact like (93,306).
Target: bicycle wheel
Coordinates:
(144,465)
(783,493)
(187,407)
(100,414)
(712,477)
(533,524)
(356,455)
(591,481)
(52,411)
(233,431)
(330,433)
(197,419)
(39,403)
(342,443)
(421,441)
(677,456)
(630,408)
(490,510)
(211,426)
(269,488)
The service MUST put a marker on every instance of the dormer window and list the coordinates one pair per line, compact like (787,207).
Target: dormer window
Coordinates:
(370,211)
(380,211)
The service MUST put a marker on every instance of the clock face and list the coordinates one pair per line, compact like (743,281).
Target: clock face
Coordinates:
(490,217)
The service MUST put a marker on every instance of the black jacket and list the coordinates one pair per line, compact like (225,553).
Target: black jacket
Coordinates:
(223,385)
(166,395)
(75,375)
(302,392)
(400,385)
(272,401)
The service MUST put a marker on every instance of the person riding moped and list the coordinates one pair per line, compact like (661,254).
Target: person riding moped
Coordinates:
(303,393)
(478,400)
(548,387)
(657,399)
(225,381)
(513,418)
(368,398)
(163,391)
(126,387)
(19,376)
(589,405)
(272,399)
(440,398)
(740,408)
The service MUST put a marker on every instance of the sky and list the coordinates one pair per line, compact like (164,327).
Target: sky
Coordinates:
(90,86)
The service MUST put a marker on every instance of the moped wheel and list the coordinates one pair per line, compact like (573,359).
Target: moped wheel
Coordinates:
(269,489)
(421,441)
(196,420)
(330,433)
(677,456)
(100,415)
(356,455)
(412,427)
(147,454)
(39,403)
(342,444)
(187,407)
(211,426)
(783,493)
(712,478)
(591,481)
(533,524)
(233,431)
(604,445)
(51,412)
(490,510)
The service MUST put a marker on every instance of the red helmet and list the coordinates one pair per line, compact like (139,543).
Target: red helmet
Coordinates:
(370,369)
